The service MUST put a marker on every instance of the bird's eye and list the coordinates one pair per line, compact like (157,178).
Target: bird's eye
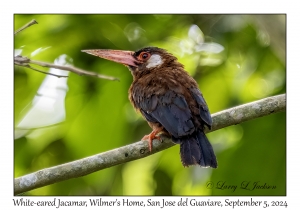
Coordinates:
(144,56)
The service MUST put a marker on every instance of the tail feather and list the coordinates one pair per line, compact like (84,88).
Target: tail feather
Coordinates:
(208,156)
(189,152)
(196,149)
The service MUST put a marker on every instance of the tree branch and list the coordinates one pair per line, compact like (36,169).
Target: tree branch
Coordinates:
(32,22)
(140,149)
(24,61)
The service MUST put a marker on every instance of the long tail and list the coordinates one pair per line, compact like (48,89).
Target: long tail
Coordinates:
(196,149)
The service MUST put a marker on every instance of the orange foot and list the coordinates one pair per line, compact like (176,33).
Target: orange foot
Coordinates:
(151,136)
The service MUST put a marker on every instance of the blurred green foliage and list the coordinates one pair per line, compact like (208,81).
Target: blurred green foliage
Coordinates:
(235,59)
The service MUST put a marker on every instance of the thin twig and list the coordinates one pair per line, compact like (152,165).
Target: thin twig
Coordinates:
(140,149)
(73,69)
(24,61)
(32,22)
(43,72)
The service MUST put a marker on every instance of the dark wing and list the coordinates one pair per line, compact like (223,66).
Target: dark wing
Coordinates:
(203,109)
(171,111)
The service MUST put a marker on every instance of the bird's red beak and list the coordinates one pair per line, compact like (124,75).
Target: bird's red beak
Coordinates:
(119,56)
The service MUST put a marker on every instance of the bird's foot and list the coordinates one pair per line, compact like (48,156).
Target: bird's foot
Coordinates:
(153,135)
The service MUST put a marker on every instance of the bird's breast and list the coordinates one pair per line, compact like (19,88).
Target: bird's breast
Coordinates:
(159,83)
(150,85)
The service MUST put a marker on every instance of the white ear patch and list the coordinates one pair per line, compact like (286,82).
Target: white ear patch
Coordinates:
(154,60)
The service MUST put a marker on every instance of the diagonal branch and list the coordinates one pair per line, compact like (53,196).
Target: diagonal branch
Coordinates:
(140,149)
(32,22)
(43,72)
(24,61)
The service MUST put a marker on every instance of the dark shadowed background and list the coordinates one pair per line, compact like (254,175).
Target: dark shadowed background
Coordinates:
(234,58)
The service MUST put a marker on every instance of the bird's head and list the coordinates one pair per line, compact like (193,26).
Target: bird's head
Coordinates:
(146,59)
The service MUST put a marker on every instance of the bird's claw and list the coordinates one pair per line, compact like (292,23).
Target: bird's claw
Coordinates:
(150,137)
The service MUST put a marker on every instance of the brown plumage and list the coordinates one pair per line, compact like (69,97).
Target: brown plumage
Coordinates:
(169,99)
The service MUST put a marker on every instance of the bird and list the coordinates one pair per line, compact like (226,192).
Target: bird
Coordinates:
(169,99)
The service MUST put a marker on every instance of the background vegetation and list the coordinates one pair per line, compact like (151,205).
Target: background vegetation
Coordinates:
(235,59)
